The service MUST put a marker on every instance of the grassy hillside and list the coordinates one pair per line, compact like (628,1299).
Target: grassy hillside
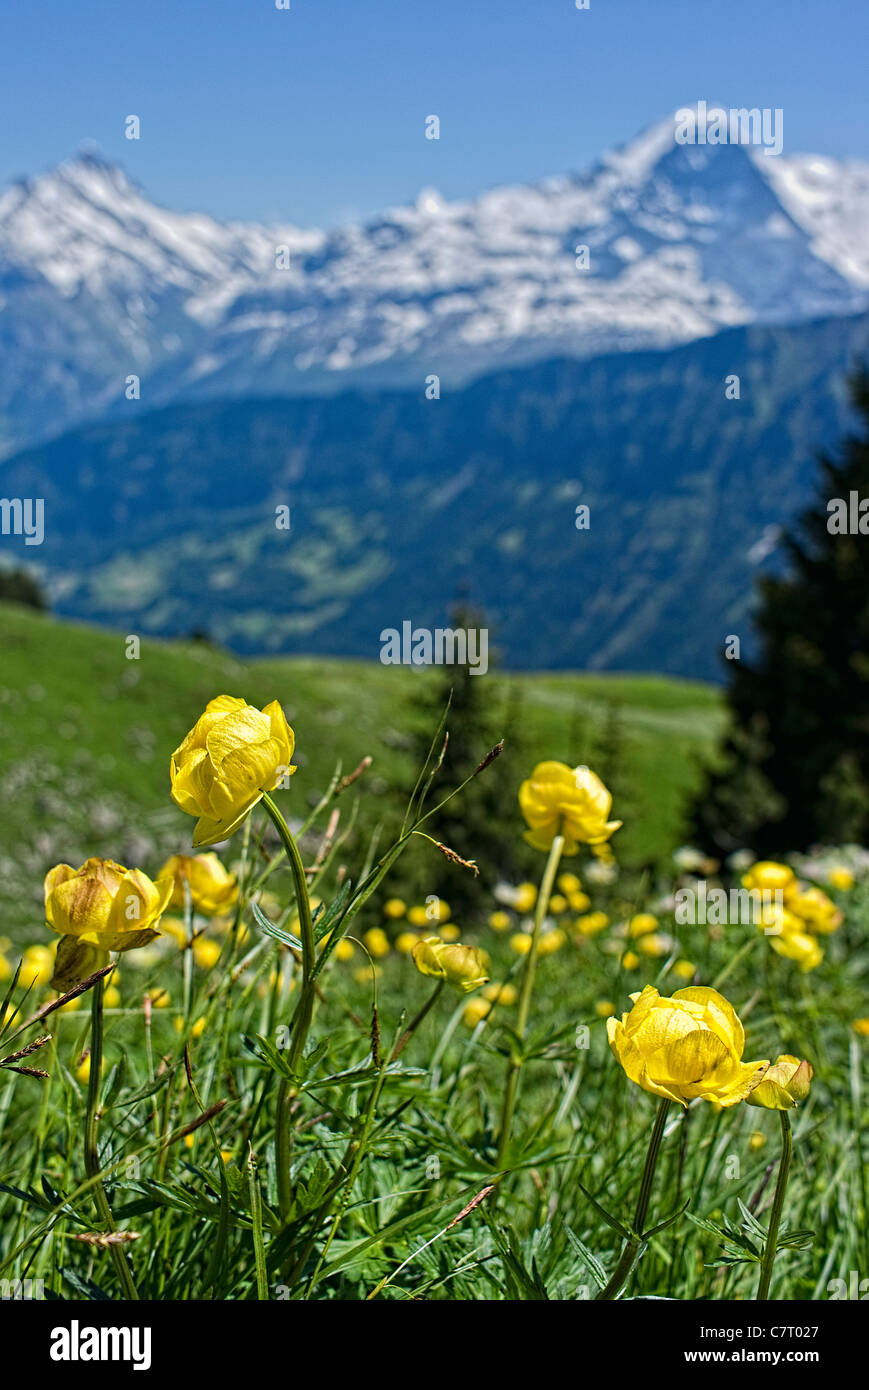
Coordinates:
(85,738)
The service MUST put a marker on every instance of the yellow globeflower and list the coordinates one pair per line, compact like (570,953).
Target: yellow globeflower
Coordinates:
(579,901)
(418,916)
(474,1011)
(550,941)
(174,927)
(756,1140)
(557,904)
(800,947)
(98,908)
(37,966)
(450,932)
(83,1070)
(604,1008)
(630,960)
(405,942)
(345,950)
(643,923)
(213,889)
(768,876)
(841,878)
(573,802)
(394,908)
(377,942)
(785,1084)
(685,1047)
(505,994)
(463,967)
(206,953)
(520,942)
(592,923)
(861,1027)
(233,755)
(569,883)
(685,969)
(654,944)
(525,897)
(499,921)
(818,911)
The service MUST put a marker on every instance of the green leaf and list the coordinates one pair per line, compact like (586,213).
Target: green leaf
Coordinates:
(604,1214)
(668,1221)
(324,920)
(591,1262)
(271,930)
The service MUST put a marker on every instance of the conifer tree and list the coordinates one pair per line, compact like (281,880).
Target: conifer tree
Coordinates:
(795,766)
(480,823)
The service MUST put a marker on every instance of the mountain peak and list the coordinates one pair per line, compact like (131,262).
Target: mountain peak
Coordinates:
(660,243)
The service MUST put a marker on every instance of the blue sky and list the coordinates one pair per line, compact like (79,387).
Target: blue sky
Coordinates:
(316,115)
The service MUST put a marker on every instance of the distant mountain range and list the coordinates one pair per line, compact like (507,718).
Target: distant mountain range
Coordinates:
(165,522)
(560,387)
(98,284)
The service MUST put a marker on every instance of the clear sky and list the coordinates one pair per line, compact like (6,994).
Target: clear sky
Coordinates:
(316,115)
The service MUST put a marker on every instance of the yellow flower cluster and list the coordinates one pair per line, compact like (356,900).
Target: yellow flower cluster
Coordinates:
(804,913)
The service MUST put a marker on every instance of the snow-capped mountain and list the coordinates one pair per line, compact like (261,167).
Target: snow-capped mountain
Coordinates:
(97,283)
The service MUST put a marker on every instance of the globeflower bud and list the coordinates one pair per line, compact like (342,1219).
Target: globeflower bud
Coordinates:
(784,1085)
(462,967)
(98,908)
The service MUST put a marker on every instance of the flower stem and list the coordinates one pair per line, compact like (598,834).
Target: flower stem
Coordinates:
(304,1012)
(778,1201)
(91,1155)
(417,1020)
(354,1154)
(514,1066)
(631,1247)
